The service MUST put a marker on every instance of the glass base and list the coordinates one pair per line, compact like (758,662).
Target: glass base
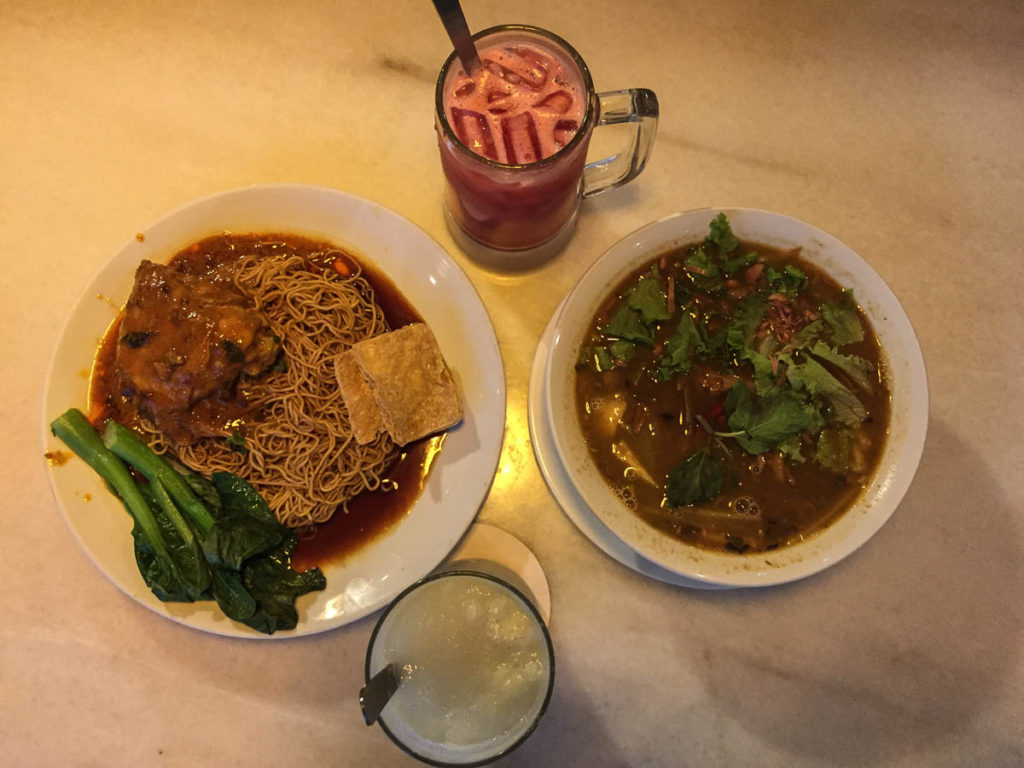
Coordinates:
(504,260)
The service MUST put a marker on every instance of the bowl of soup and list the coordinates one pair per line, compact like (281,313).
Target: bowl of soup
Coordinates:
(736,395)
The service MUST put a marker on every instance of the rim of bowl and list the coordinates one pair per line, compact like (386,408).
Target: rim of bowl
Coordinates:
(905,371)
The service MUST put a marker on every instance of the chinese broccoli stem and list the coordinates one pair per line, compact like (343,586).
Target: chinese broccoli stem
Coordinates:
(132,449)
(78,434)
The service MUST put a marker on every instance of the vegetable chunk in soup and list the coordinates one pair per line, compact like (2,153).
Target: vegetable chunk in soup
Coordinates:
(733,395)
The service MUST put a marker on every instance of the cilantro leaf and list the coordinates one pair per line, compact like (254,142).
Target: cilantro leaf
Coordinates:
(761,424)
(697,479)
(789,281)
(721,234)
(843,320)
(857,368)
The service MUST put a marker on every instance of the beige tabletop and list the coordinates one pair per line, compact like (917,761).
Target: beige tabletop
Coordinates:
(895,126)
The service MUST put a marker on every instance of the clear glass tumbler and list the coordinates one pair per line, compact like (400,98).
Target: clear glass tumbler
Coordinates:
(475,662)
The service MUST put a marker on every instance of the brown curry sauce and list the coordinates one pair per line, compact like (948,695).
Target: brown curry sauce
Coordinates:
(371,514)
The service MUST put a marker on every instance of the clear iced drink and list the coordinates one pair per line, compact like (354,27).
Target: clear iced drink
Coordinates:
(476,668)
(513,137)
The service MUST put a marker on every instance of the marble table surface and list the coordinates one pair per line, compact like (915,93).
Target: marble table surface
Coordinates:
(895,126)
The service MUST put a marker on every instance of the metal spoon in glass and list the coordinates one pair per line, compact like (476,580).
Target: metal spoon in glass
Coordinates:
(454,21)
(377,692)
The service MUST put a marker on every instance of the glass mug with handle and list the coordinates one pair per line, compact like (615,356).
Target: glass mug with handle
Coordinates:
(513,139)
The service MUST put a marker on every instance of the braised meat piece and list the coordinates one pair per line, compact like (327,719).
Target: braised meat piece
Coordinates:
(186,339)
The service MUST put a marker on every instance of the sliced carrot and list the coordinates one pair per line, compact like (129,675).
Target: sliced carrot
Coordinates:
(341,267)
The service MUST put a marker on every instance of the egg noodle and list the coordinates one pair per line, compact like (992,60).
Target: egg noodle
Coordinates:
(299,451)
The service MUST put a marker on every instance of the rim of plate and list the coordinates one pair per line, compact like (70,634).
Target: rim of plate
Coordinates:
(365,581)
(904,366)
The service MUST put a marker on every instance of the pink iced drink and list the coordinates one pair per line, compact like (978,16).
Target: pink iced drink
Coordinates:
(522,105)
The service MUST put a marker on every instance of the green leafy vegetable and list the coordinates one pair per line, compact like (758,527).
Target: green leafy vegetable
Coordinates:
(761,424)
(812,377)
(156,563)
(745,320)
(857,368)
(734,264)
(195,539)
(833,450)
(807,335)
(721,234)
(698,478)
(622,350)
(132,449)
(648,298)
(627,323)
(603,360)
(789,281)
(275,586)
(677,357)
(843,320)
(764,372)
(236,442)
(703,272)
(790,448)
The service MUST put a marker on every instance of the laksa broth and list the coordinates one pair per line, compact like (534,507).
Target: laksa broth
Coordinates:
(733,395)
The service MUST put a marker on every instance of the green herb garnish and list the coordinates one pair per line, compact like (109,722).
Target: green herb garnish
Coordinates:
(843,320)
(721,234)
(698,478)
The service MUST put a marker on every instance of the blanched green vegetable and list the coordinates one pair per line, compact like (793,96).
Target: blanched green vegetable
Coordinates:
(196,539)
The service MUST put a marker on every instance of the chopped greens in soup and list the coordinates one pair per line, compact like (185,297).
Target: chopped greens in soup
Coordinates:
(733,394)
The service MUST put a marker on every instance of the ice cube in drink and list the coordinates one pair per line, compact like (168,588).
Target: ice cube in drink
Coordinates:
(474,130)
(519,89)
(519,134)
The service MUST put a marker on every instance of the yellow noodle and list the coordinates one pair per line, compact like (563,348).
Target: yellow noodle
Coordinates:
(300,451)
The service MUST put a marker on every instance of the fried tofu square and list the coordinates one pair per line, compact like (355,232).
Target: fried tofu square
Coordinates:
(363,413)
(410,384)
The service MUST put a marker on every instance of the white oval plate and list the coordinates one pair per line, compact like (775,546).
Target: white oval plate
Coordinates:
(433,284)
(906,376)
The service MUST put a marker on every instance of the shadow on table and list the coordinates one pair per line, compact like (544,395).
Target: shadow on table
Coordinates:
(913,658)
(570,734)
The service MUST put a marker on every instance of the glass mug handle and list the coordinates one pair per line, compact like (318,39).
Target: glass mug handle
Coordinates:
(633,105)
